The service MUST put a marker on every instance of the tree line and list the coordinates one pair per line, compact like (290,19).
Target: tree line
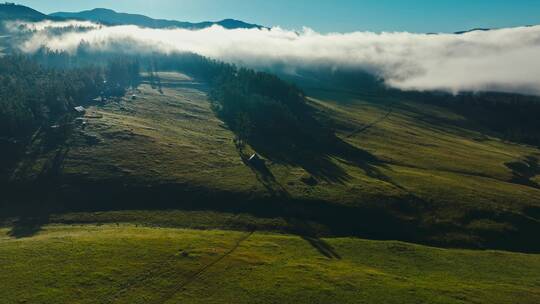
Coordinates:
(40,89)
(34,94)
(511,117)
(255,105)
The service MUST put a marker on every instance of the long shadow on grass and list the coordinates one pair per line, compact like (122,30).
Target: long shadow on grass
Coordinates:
(322,218)
(39,193)
(322,247)
(318,155)
(310,219)
(263,175)
(524,170)
(28,226)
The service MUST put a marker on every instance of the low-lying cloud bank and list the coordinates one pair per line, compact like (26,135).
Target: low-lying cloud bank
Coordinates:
(15,26)
(504,60)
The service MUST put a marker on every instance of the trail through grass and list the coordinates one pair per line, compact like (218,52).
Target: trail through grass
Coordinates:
(127,264)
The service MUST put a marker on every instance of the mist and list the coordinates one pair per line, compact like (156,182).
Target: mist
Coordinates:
(503,60)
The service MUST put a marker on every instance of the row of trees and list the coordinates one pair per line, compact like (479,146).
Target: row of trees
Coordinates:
(512,117)
(31,96)
(254,105)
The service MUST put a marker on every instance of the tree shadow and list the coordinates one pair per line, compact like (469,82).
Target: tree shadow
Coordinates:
(52,170)
(263,175)
(51,144)
(318,155)
(28,226)
(523,171)
(322,247)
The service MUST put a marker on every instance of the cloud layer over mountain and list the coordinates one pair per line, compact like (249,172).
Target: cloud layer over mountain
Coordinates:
(504,60)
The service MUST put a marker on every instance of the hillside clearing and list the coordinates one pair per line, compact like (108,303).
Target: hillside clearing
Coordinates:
(420,173)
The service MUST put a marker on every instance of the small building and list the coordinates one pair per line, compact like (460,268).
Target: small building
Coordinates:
(256,160)
(80,109)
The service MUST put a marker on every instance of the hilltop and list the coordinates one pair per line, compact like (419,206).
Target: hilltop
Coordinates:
(11,11)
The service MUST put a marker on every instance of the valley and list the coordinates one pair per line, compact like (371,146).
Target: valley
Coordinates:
(313,152)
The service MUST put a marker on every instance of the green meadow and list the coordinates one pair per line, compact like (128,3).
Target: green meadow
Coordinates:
(128,264)
(156,205)
(421,169)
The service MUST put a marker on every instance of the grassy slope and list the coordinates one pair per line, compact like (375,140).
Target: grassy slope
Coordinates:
(419,154)
(456,173)
(437,155)
(158,138)
(126,264)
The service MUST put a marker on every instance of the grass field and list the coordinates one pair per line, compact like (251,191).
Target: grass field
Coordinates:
(128,264)
(149,201)
(439,157)
(423,166)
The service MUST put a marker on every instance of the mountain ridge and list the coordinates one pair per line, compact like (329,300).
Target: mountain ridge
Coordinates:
(12,11)
(111,17)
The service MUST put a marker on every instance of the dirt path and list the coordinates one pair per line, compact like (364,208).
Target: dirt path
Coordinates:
(368,126)
(193,277)
(158,269)
(165,269)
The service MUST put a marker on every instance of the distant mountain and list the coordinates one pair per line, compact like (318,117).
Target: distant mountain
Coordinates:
(485,29)
(11,11)
(110,17)
(473,30)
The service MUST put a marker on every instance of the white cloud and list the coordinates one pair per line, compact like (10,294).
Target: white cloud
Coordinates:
(499,60)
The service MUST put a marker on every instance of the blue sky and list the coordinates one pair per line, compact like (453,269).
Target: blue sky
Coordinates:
(327,15)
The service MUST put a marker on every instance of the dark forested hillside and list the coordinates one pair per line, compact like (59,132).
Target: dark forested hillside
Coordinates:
(264,103)
(253,104)
(259,104)
(34,95)
(511,117)
(39,95)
